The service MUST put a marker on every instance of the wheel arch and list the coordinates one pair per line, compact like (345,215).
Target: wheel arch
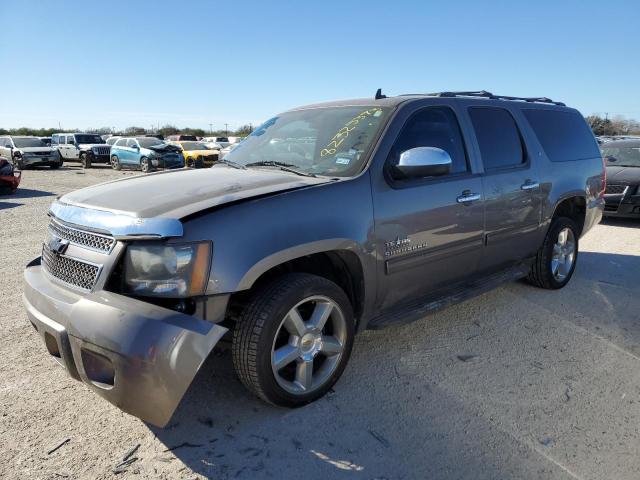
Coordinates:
(339,264)
(573,206)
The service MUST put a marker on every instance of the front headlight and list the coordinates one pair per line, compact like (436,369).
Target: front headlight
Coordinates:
(174,271)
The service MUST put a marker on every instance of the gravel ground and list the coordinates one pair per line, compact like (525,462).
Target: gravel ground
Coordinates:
(517,383)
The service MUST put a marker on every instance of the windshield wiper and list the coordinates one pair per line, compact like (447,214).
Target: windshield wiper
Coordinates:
(286,167)
(231,163)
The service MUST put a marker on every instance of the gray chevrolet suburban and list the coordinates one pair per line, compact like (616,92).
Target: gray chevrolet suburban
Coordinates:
(327,220)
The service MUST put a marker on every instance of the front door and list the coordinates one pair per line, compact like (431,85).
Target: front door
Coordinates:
(513,201)
(429,231)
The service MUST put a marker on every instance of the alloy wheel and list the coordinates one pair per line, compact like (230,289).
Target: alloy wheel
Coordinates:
(308,345)
(564,254)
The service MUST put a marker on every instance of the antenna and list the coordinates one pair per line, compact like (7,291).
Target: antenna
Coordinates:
(379,94)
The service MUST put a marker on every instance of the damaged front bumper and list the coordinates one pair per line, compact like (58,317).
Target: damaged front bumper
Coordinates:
(138,356)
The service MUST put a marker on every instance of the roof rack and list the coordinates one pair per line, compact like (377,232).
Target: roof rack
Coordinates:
(485,94)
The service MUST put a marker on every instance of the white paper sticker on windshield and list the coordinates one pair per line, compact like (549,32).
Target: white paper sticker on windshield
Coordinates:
(343,161)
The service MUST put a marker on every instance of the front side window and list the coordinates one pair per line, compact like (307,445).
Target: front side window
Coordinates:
(122,142)
(131,143)
(498,137)
(330,141)
(433,127)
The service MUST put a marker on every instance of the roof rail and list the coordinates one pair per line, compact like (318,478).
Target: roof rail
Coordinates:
(485,94)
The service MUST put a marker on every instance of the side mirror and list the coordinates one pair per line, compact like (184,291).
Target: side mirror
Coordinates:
(422,162)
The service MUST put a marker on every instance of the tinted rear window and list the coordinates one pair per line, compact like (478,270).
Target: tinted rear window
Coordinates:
(564,136)
(498,137)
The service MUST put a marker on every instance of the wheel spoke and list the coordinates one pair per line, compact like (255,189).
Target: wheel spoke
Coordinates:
(284,356)
(304,374)
(294,323)
(320,314)
(331,346)
(555,264)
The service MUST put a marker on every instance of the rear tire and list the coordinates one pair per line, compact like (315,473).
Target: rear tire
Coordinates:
(293,369)
(115,163)
(190,163)
(556,260)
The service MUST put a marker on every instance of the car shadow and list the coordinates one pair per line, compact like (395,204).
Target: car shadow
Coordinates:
(621,222)
(29,193)
(7,205)
(387,418)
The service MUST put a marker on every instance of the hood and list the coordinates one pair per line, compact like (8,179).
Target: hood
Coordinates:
(200,153)
(623,175)
(179,193)
(164,148)
(36,149)
(91,145)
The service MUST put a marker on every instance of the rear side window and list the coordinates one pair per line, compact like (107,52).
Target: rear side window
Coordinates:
(564,136)
(433,127)
(498,137)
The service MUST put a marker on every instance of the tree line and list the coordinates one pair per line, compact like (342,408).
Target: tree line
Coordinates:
(167,130)
(617,125)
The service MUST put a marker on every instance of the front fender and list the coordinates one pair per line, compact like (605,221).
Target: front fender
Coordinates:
(292,253)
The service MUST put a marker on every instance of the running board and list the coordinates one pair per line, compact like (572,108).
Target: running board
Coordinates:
(416,310)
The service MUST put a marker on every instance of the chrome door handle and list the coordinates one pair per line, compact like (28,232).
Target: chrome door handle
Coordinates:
(467,197)
(529,185)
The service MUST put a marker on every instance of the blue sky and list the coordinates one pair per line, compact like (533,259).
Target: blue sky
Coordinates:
(191,63)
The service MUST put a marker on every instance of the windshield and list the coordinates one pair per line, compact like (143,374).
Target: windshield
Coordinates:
(193,146)
(87,138)
(627,156)
(26,142)
(146,142)
(322,141)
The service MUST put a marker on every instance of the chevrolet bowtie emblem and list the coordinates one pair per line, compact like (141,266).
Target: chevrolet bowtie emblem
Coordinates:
(58,245)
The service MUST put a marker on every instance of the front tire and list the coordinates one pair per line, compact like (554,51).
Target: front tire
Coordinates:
(145,165)
(556,260)
(85,161)
(293,339)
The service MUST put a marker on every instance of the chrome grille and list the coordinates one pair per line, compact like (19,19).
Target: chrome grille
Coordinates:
(105,150)
(69,270)
(615,189)
(93,241)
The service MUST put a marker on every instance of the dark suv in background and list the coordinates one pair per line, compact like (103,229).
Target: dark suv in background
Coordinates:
(325,221)
(622,196)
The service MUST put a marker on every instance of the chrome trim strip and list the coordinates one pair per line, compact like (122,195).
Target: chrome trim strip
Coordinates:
(119,225)
(111,240)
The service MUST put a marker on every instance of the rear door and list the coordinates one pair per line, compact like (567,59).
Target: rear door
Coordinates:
(513,200)
(429,231)
(67,147)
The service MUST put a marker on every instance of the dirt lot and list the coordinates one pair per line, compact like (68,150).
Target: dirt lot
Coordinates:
(517,383)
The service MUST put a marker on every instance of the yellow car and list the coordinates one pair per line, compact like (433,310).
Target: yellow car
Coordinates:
(196,154)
